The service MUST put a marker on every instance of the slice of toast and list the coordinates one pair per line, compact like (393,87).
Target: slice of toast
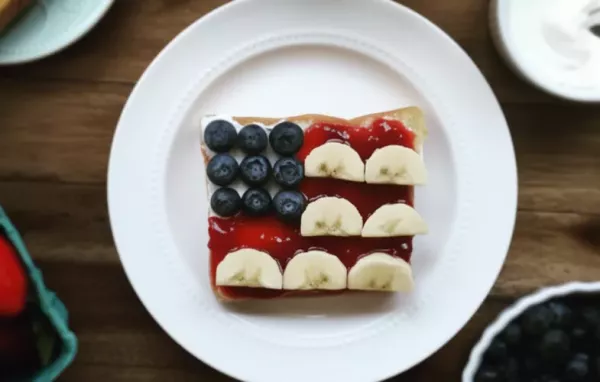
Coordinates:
(10,9)
(411,117)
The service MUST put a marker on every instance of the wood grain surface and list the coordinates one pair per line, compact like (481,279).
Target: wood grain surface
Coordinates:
(57,117)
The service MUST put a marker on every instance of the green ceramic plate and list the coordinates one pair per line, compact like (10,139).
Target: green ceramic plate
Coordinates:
(48,27)
(51,323)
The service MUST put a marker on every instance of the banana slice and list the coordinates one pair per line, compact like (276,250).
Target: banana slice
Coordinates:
(331,216)
(394,220)
(315,270)
(335,160)
(249,268)
(381,272)
(396,165)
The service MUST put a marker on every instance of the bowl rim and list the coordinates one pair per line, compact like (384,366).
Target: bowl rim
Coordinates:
(498,15)
(514,310)
(89,23)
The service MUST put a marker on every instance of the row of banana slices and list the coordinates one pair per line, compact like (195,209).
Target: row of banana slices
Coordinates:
(392,164)
(314,270)
(333,216)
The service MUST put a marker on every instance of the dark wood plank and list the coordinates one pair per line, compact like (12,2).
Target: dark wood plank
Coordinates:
(548,249)
(139,29)
(556,149)
(61,222)
(556,145)
(57,131)
(101,373)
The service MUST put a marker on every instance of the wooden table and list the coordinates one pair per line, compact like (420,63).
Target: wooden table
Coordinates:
(57,119)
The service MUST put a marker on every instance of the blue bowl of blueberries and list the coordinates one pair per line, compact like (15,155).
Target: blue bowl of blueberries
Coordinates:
(552,335)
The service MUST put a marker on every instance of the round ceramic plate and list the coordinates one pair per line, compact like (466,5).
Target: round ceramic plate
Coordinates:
(49,26)
(280,58)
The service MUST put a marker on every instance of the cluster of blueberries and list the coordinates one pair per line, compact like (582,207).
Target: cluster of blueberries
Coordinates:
(255,170)
(557,341)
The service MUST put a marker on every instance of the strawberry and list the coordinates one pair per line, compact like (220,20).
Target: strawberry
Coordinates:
(13,282)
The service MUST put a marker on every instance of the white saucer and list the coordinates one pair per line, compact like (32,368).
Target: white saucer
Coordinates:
(48,27)
(312,56)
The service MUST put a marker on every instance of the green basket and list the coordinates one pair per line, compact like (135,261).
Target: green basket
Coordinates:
(50,306)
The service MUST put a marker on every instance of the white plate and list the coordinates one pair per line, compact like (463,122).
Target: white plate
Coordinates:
(48,27)
(278,58)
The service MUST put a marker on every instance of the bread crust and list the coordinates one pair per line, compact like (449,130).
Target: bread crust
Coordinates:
(411,117)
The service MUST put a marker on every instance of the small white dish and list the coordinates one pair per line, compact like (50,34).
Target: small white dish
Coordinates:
(549,44)
(49,26)
(515,310)
(311,56)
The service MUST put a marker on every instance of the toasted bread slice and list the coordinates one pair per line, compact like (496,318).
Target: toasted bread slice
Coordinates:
(411,117)
(10,9)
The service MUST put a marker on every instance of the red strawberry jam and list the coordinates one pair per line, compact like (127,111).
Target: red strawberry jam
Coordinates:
(282,241)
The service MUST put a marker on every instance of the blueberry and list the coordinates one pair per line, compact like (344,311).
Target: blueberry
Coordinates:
(511,369)
(225,202)
(255,170)
(497,352)
(289,205)
(582,356)
(256,202)
(532,365)
(252,139)
(591,316)
(549,378)
(288,172)
(486,374)
(577,370)
(537,320)
(222,169)
(579,334)
(220,136)
(563,316)
(512,334)
(286,138)
(582,339)
(555,346)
